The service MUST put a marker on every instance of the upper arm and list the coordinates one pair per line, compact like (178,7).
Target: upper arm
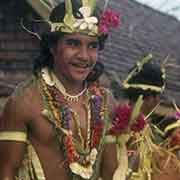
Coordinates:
(13,116)
(14,120)
(109,162)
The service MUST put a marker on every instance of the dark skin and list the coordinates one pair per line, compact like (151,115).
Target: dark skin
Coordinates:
(24,112)
(166,163)
(41,136)
(167,166)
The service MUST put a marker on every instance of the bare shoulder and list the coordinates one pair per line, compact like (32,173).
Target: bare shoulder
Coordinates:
(109,161)
(19,109)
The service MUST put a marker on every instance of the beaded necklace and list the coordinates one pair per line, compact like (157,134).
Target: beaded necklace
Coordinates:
(80,156)
(53,81)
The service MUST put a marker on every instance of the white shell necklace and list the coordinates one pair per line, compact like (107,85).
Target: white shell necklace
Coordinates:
(51,79)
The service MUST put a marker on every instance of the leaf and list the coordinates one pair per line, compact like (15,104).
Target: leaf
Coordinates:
(69,18)
(138,68)
(85,2)
(136,110)
(92,4)
(121,171)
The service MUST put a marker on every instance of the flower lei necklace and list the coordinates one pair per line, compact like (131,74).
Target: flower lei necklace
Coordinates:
(80,156)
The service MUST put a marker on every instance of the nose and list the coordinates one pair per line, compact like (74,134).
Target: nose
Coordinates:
(83,53)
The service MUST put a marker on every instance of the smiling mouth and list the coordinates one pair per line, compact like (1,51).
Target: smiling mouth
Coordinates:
(82,65)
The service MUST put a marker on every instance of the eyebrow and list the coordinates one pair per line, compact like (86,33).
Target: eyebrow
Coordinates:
(79,41)
(72,40)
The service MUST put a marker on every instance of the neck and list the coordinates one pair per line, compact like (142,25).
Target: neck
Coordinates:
(72,87)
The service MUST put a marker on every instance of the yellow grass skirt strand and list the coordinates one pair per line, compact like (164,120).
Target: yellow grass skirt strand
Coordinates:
(18,136)
(31,168)
(122,157)
(145,150)
(36,164)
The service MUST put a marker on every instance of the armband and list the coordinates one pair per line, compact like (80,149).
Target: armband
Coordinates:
(18,136)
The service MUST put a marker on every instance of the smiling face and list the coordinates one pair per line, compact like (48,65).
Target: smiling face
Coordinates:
(74,57)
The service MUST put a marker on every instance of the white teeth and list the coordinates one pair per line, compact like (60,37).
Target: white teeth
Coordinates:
(81,65)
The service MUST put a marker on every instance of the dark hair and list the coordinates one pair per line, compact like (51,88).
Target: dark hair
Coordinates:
(97,71)
(151,74)
(50,39)
(166,122)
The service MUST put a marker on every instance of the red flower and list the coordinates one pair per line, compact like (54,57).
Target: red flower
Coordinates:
(71,152)
(139,124)
(121,119)
(178,115)
(120,122)
(97,133)
(104,28)
(109,19)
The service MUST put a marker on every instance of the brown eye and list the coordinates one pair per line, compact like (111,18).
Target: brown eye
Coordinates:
(94,45)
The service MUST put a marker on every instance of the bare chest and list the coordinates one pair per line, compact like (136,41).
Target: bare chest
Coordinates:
(42,130)
(44,139)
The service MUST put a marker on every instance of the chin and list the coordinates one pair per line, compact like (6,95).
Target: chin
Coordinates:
(80,77)
(77,79)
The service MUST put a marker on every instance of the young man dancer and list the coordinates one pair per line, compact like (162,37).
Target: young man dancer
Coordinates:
(53,127)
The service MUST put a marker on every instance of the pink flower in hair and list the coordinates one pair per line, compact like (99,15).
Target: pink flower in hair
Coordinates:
(104,29)
(178,114)
(108,20)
